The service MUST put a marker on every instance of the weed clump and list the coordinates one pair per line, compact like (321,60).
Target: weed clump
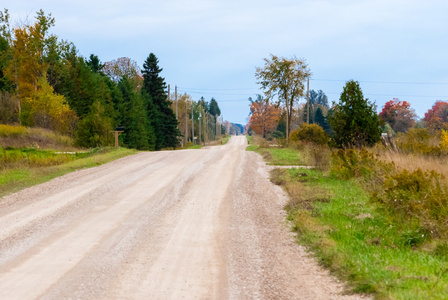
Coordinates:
(418,195)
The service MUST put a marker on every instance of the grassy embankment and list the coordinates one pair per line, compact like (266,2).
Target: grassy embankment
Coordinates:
(377,248)
(30,156)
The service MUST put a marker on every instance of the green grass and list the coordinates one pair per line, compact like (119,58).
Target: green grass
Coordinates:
(281,156)
(190,145)
(15,179)
(252,147)
(225,139)
(352,236)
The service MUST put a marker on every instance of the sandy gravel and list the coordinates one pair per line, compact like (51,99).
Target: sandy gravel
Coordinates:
(192,224)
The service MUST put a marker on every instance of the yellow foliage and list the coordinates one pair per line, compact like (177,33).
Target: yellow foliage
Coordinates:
(444,140)
(47,109)
(12,131)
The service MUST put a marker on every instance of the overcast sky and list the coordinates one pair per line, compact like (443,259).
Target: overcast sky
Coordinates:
(394,48)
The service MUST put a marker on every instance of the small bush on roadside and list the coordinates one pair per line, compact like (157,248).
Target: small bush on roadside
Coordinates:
(317,155)
(275,135)
(352,163)
(312,133)
(418,195)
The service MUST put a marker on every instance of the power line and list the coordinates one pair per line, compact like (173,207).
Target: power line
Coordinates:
(383,82)
(199,89)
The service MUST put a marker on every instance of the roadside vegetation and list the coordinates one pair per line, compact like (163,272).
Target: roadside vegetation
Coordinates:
(373,208)
(30,156)
(377,225)
(45,83)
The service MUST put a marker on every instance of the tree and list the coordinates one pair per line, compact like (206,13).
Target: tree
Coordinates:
(46,109)
(205,105)
(138,133)
(264,116)
(437,117)
(29,46)
(354,120)
(95,64)
(321,120)
(120,67)
(94,128)
(214,108)
(284,78)
(399,115)
(159,108)
(8,114)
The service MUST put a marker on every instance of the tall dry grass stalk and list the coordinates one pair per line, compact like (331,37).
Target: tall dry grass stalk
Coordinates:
(412,162)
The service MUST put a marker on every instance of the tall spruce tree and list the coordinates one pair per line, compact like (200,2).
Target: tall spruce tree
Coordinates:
(159,108)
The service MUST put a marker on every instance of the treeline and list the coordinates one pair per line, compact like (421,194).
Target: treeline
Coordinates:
(353,121)
(45,83)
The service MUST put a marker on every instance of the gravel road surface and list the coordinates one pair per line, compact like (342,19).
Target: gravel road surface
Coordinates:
(190,224)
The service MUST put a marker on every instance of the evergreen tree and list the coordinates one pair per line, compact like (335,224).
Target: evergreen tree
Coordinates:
(354,120)
(94,128)
(204,104)
(95,64)
(214,108)
(321,120)
(138,134)
(159,108)
(5,84)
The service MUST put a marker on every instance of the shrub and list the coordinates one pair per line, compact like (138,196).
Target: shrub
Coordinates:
(419,140)
(318,156)
(352,163)
(12,131)
(418,195)
(275,135)
(312,133)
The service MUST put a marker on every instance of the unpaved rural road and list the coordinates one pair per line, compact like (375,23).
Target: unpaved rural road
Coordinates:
(192,224)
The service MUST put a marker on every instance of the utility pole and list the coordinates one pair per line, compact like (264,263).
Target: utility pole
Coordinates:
(186,123)
(199,121)
(308,100)
(169,98)
(217,125)
(175,97)
(192,124)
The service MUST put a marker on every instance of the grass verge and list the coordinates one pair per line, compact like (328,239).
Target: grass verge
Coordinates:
(15,179)
(225,139)
(278,156)
(357,240)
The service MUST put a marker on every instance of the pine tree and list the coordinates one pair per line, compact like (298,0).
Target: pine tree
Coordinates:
(138,134)
(159,108)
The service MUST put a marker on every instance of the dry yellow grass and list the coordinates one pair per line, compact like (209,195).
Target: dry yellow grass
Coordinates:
(413,162)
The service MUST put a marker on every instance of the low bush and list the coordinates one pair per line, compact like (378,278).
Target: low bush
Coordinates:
(311,133)
(418,195)
(420,141)
(12,131)
(354,163)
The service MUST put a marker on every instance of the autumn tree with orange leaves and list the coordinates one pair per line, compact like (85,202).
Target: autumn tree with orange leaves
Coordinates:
(264,116)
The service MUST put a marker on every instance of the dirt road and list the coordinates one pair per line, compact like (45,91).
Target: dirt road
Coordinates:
(192,224)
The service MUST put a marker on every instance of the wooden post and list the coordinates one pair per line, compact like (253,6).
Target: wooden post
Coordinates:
(308,100)
(116,132)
